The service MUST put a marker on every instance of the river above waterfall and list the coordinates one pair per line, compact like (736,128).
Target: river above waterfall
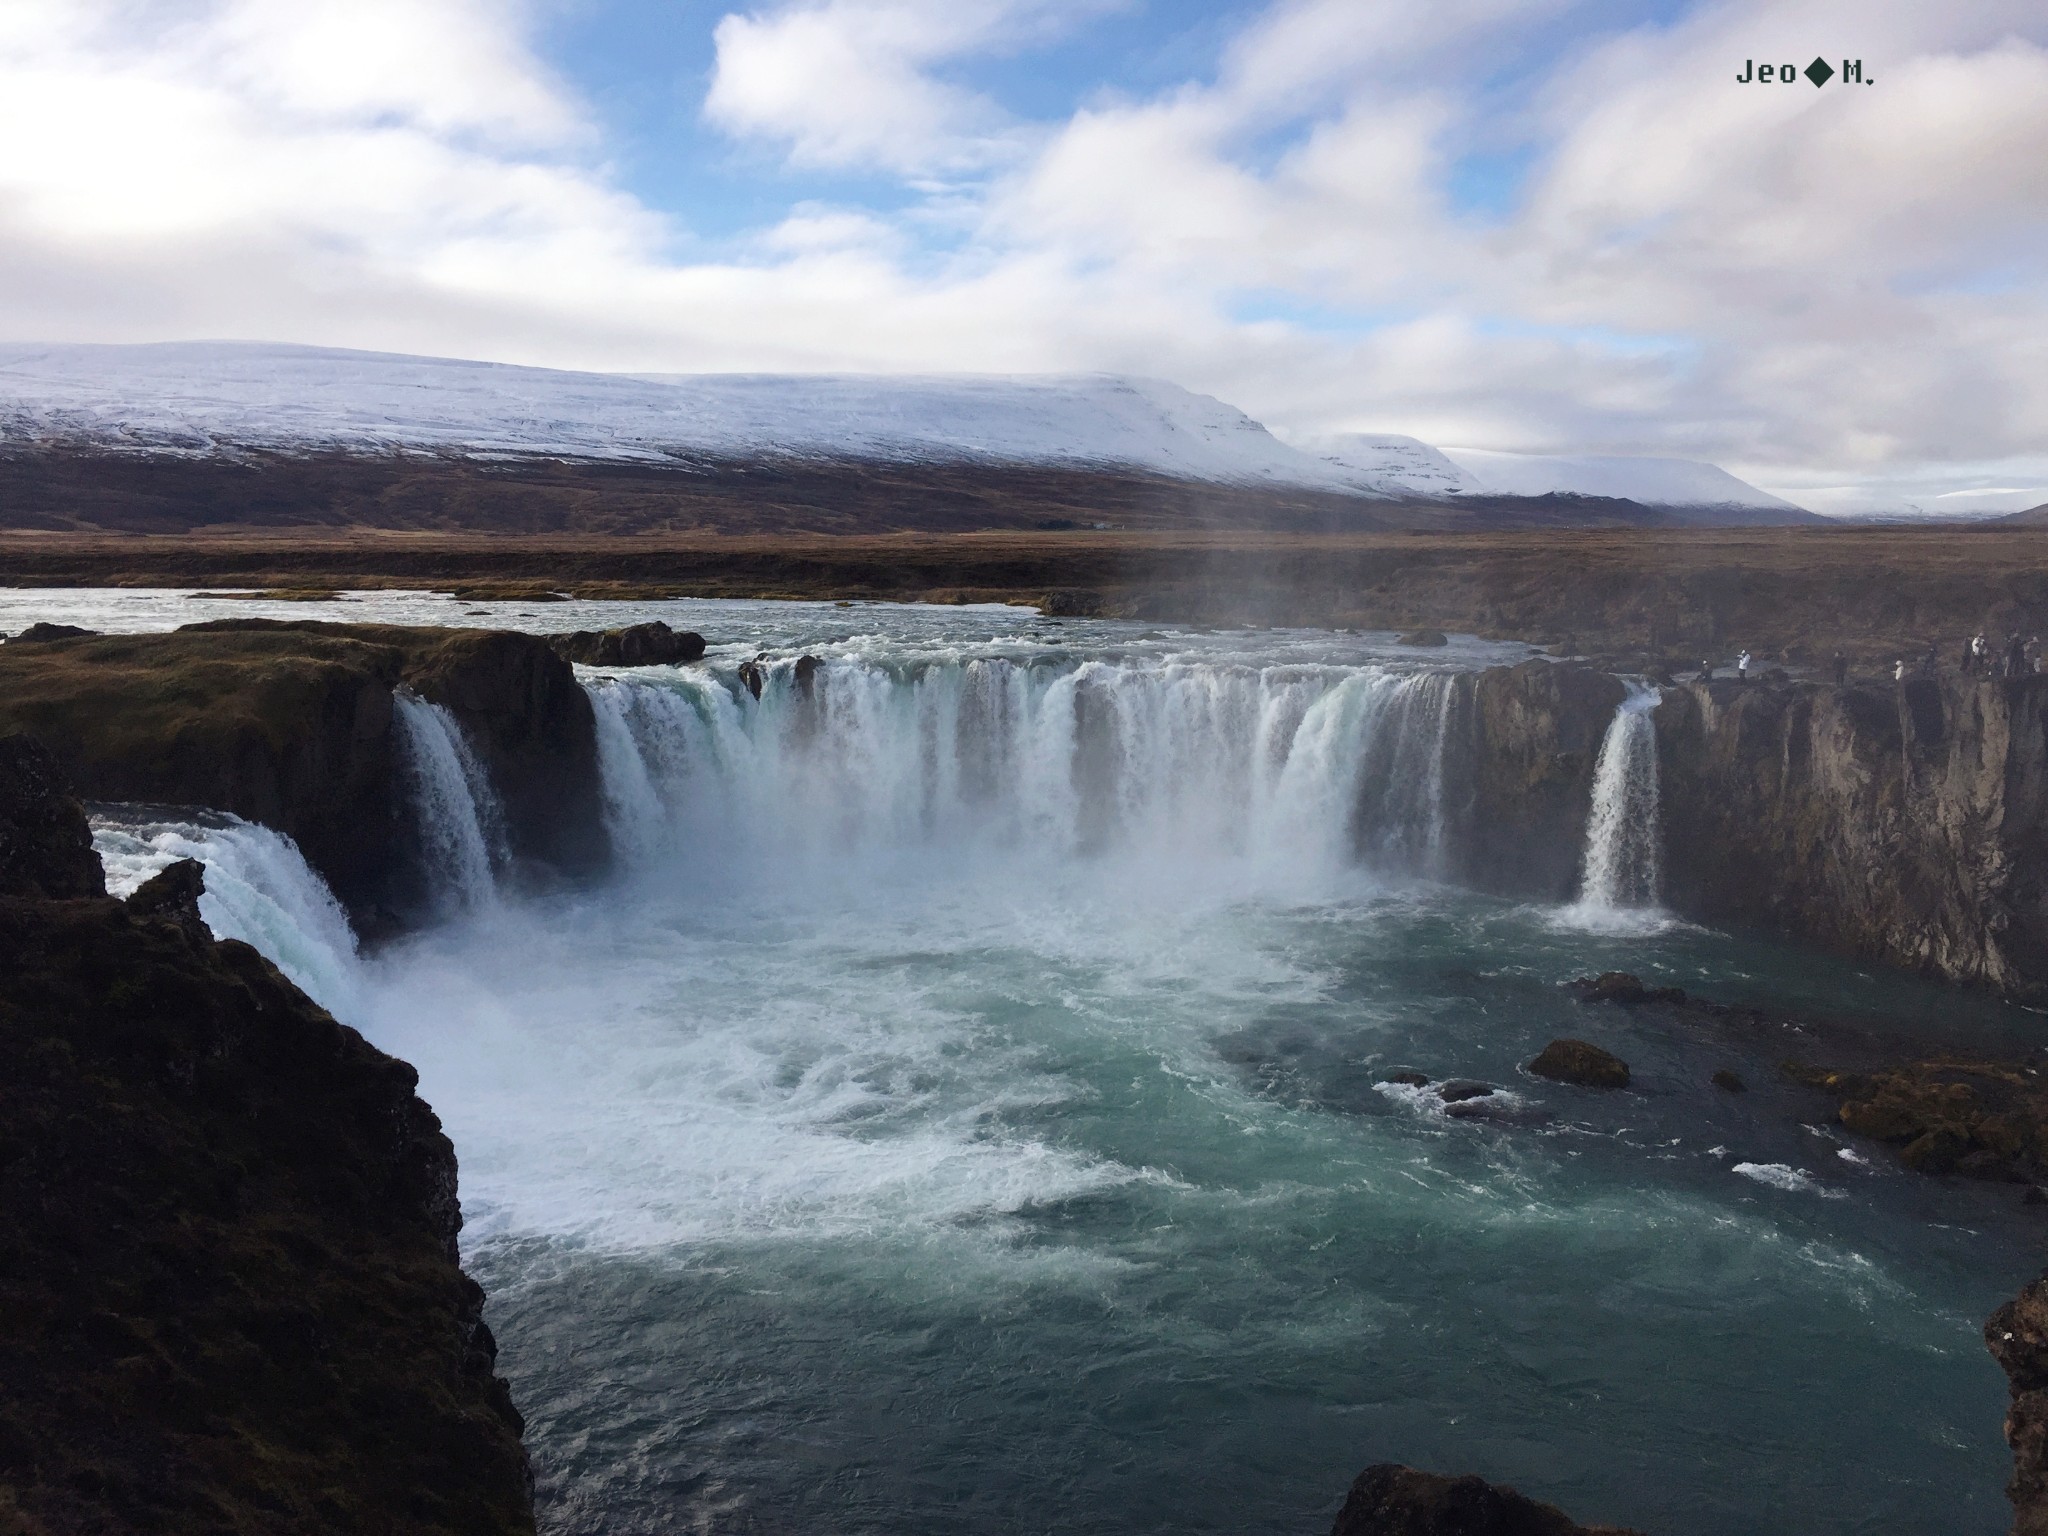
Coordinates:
(938,1124)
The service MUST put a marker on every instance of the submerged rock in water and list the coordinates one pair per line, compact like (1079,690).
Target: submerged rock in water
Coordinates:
(1393,1500)
(1576,1061)
(1624,989)
(1407,1078)
(1729,1082)
(1458,1090)
(227,1240)
(652,644)
(1425,637)
(1980,1120)
(2017,1336)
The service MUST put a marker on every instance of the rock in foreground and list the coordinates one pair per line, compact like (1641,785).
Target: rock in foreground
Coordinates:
(1978,1119)
(229,1294)
(1575,1061)
(1392,1500)
(2017,1336)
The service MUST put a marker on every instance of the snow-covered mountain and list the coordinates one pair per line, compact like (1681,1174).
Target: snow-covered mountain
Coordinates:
(1653,482)
(200,398)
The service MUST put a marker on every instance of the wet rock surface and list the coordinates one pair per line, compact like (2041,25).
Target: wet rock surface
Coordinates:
(1623,989)
(229,1294)
(652,644)
(1582,1063)
(1973,1119)
(1393,1500)
(291,724)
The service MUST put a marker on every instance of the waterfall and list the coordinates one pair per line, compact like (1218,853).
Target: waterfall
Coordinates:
(259,889)
(1622,835)
(461,828)
(1288,766)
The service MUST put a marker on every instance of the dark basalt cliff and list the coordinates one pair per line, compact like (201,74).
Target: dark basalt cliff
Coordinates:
(1522,762)
(229,1294)
(291,725)
(1906,824)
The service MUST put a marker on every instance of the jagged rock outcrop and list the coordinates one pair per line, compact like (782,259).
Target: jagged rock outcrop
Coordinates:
(291,724)
(652,644)
(2017,1336)
(45,845)
(1906,824)
(1393,1500)
(1977,1119)
(1524,753)
(229,1293)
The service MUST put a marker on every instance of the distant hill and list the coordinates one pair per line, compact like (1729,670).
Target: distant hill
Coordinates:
(218,434)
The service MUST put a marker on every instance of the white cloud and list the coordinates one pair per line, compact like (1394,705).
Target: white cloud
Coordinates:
(853,83)
(1837,290)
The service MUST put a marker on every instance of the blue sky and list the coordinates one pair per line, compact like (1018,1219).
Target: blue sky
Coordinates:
(1535,225)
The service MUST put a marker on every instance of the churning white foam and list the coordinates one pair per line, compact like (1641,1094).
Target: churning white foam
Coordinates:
(1784,1176)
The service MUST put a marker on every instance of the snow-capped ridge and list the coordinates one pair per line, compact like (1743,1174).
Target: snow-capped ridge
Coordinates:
(204,398)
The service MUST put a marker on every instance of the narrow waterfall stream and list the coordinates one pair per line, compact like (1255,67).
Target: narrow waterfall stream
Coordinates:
(1624,843)
(461,829)
(965,1108)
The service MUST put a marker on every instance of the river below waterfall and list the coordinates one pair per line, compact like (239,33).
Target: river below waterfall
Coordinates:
(946,1122)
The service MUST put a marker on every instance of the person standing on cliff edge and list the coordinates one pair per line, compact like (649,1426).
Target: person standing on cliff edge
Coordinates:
(1841,665)
(1742,668)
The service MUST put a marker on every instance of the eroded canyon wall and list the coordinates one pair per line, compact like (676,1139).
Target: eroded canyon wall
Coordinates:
(1904,824)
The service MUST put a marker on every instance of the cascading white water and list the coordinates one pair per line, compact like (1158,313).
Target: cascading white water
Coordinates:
(461,828)
(1295,766)
(259,889)
(1623,840)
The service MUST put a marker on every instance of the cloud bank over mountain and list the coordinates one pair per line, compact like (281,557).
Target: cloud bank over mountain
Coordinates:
(1551,229)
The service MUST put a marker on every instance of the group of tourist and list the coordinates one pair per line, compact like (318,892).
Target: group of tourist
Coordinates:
(2020,656)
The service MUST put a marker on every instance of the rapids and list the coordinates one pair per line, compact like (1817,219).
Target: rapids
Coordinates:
(960,1111)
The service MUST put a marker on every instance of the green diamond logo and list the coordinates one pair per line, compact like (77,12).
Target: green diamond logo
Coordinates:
(1819,73)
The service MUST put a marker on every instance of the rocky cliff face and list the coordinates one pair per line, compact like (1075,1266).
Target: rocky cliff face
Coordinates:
(1525,743)
(229,1294)
(2017,1336)
(290,724)
(1909,825)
